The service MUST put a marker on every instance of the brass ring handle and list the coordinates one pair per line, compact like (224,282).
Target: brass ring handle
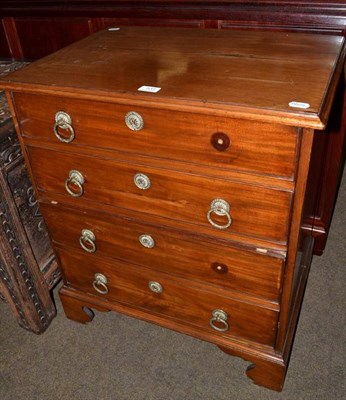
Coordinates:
(219,207)
(100,284)
(76,179)
(219,316)
(87,241)
(63,121)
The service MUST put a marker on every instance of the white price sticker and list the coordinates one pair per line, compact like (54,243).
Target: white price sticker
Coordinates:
(298,104)
(149,89)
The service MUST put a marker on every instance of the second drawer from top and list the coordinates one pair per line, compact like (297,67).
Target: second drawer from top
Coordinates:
(199,202)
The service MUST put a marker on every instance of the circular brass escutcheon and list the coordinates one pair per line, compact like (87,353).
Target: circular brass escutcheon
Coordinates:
(134,121)
(142,181)
(155,287)
(147,241)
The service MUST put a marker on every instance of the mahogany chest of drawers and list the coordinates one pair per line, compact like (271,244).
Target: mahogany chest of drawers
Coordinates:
(171,168)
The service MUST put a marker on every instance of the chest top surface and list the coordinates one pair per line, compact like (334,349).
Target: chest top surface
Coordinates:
(274,76)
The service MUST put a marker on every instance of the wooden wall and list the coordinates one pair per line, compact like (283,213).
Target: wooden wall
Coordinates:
(33,29)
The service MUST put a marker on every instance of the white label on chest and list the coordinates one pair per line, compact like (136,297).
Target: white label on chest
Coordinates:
(149,89)
(297,104)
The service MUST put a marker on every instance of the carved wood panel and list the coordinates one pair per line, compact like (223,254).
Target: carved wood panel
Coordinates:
(28,269)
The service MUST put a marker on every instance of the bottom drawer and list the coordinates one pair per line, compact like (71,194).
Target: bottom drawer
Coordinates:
(174,298)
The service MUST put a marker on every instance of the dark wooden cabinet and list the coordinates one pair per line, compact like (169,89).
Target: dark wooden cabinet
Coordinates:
(28,269)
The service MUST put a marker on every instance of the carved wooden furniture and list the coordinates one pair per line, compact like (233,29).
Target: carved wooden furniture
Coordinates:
(28,269)
(171,168)
(33,29)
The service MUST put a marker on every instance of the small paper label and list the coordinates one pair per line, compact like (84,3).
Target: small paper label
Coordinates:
(113,29)
(259,250)
(149,89)
(298,104)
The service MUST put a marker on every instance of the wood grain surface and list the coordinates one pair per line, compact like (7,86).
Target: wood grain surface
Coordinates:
(178,300)
(251,272)
(166,134)
(255,211)
(236,71)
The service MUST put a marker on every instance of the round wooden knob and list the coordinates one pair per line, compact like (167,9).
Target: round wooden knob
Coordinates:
(220,141)
(219,268)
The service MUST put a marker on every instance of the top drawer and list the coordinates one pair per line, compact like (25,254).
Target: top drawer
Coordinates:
(210,140)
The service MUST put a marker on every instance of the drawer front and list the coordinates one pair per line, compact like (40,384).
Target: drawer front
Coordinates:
(214,141)
(254,211)
(167,251)
(177,300)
